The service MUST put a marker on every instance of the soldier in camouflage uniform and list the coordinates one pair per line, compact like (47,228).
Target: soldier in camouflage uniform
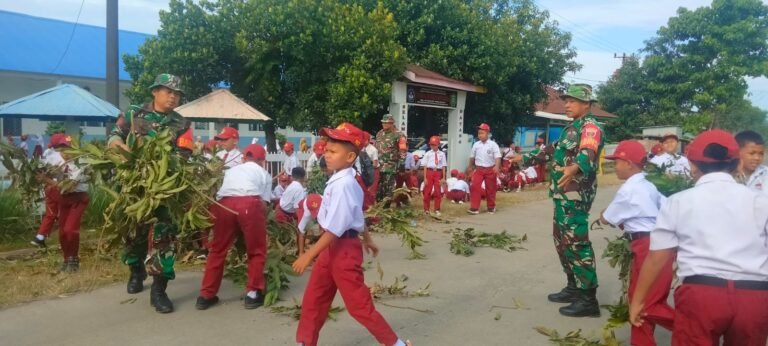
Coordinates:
(391,146)
(156,258)
(573,171)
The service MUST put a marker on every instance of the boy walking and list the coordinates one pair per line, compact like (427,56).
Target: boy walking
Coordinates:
(719,231)
(634,210)
(435,165)
(245,190)
(339,252)
(53,158)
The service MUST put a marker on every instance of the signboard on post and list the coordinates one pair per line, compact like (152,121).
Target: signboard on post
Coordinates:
(427,96)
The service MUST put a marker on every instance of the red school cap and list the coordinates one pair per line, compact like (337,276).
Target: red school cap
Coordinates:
(60,140)
(484,127)
(345,132)
(227,133)
(632,151)
(703,140)
(255,151)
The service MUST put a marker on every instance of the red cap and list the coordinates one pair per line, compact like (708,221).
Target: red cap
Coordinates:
(313,204)
(255,151)
(319,147)
(704,139)
(461,176)
(288,146)
(345,132)
(670,135)
(454,172)
(434,140)
(632,151)
(185,141)
(656,149)
(61,140)
(484,127)
(367,137)
(210,144)
(227,133)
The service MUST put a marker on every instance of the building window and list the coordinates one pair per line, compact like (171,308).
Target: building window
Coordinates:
(11,126)
(201,125)
(92,123)
(255,127)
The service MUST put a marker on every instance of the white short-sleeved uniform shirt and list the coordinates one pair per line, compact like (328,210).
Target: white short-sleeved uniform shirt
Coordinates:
(676,164)
(342,206)
(76,173)
(305,218)
(635,206)
(485,153)
(530,173)
(410,161)
(429,160)
(278,191)
(461,185)
(450,182)
(719,227)
(293,194)
(247,179)
(312,162)
(758,181)
(290,162)
(231,158)
(372,152)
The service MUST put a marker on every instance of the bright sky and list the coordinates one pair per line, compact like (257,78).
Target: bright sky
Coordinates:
(600,28)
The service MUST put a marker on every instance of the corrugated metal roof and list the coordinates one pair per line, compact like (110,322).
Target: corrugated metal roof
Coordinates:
(220,104)
(60,103)
(34,44)
(418,74)
(555,105)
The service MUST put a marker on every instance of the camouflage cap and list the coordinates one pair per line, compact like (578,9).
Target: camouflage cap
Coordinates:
(169,81)
(581,92)
(387,118)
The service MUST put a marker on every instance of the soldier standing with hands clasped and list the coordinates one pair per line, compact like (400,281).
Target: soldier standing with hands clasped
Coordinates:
(574,159)
(391,146)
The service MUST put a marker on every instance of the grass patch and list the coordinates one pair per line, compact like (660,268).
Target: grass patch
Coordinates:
(17,220)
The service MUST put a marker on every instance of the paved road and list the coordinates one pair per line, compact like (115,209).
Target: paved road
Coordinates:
(463,291)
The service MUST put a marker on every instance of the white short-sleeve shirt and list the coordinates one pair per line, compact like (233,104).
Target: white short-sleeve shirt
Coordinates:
(429,160)
(231,158)
(635,206)
(305,218)
(485,153)
(312,161)
(719,227)
(342,206)
(372,152)
(676,164)
(290,163)
(293,194)
(758,181)
(247,179)
(530,173)
(75,172)
(278,191)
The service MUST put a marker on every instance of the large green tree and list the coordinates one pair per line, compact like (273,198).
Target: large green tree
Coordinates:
(694,71)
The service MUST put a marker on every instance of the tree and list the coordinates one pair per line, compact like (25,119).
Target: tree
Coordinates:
(509,47)
(694,71)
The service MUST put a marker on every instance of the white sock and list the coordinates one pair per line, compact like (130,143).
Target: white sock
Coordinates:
(251,294)
(40,237)
(399,343)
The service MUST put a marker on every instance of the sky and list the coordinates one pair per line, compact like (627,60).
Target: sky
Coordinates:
(600,28)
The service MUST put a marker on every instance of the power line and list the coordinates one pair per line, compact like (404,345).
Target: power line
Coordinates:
(71,36)
(587,36)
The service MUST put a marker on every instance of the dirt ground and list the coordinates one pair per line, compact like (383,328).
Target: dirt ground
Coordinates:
(491,298)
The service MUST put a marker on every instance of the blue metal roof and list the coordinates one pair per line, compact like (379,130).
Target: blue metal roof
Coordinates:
(60,103)
(34,44)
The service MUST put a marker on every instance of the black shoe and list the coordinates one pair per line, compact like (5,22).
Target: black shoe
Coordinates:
(39,243)
(136,280)
(585,305)
(567,295)
(205,303)
(73,264)
(157,297)
(491,211)
(253,303)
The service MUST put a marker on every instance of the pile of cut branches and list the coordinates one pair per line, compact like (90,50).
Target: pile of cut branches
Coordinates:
(464,241)
(619,254)
(667,184)
(575,338)
(294,311)
(398,221)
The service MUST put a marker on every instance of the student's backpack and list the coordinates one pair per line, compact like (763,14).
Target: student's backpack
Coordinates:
(366,168)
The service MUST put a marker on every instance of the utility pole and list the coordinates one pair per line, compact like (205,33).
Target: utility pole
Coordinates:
(113,92)
(623,57)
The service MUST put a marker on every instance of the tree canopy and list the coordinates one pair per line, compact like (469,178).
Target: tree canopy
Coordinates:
(694,72)
(311,63)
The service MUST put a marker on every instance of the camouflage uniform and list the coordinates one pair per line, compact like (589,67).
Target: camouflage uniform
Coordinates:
(145,121)
(580,143)
(390,158)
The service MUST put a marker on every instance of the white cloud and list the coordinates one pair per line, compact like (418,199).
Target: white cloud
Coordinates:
(133,15)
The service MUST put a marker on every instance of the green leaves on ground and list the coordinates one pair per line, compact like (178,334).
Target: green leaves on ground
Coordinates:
(575,338)
(294,311)
(464,241)
(397,220)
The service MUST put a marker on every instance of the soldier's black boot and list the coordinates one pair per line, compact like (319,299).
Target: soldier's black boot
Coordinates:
(157,296)
(136,280)
(585,305)
(567,295)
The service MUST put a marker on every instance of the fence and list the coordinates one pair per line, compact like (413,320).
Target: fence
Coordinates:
(275,161)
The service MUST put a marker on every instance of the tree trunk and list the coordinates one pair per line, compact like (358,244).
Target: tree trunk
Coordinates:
(269,134)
